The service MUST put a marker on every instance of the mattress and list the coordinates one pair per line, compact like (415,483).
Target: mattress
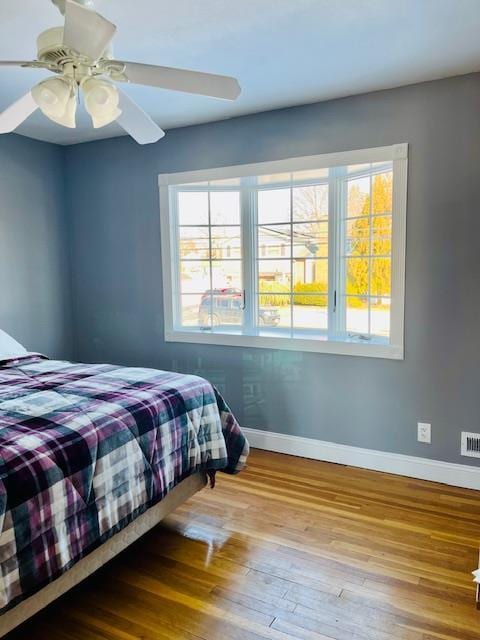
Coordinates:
(85,450)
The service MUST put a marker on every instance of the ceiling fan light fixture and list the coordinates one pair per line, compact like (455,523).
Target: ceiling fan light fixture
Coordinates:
(56,97)
(68,119)
(102,101)
(80,53)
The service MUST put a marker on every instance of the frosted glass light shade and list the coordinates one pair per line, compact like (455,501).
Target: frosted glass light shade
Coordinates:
(101,101)
(56,97)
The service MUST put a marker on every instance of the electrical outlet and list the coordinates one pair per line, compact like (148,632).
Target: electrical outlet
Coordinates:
(424,432)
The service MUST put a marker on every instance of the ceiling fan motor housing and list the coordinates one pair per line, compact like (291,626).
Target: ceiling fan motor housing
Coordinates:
(50,46)
(52,50)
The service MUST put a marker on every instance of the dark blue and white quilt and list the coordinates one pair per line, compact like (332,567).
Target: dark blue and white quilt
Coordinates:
(85,449)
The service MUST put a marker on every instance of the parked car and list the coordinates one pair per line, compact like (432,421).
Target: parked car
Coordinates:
(225,306)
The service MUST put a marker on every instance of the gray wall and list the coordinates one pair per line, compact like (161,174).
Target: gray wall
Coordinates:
(112,201)
(34,266)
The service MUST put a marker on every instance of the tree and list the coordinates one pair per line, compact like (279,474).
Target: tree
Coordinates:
(370,234)
(310,207)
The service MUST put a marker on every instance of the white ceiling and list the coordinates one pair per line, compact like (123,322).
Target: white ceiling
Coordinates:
(284,52)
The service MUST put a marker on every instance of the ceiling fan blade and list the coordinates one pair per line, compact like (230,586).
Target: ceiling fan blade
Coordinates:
(17,113)
(14,63)
(205,84)
(86,31)
(137,123)
(35,64)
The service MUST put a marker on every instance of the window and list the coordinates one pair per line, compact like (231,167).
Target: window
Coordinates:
(305,254)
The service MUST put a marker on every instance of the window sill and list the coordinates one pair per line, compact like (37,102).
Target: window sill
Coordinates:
(349,347)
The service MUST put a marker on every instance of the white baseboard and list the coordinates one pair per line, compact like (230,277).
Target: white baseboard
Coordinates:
(456,475)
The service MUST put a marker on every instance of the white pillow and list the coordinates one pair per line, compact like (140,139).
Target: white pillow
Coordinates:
(10,348)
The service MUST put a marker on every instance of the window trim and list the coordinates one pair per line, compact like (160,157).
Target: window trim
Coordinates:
(397,153)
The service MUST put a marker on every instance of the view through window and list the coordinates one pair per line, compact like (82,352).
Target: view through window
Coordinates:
(304,254)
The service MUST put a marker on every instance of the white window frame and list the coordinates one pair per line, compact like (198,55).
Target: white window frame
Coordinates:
(394,349)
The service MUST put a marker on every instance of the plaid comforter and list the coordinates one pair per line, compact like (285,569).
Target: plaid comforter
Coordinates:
(85,449)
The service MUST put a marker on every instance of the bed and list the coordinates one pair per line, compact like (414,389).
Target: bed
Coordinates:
(92,457)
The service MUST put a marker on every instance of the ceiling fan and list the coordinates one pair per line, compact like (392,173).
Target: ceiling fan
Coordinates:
(80,54)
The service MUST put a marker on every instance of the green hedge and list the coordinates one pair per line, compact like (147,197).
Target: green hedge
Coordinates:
(269,294)
(311,300)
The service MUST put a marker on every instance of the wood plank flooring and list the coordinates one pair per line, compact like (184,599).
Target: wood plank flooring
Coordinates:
(290,548)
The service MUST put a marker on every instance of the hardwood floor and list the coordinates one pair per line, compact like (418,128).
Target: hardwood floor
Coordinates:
(290,548)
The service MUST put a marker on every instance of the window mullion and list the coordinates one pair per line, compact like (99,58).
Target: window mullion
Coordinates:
(247,219)
(210,263)
(336,268)
(341,186)
(292,283)
(370,263)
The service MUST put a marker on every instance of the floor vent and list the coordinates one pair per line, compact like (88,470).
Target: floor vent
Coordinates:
(470,444)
